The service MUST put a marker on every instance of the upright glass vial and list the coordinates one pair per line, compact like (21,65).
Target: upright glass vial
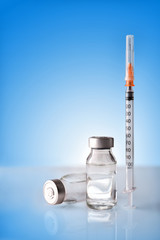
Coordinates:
(69,188)
(101,174)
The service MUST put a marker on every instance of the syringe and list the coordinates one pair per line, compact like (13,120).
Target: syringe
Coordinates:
(129,118)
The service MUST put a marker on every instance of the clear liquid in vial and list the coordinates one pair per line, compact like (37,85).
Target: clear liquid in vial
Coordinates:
(101,186)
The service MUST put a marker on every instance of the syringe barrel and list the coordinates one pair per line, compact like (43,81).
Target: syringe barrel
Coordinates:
(129,141)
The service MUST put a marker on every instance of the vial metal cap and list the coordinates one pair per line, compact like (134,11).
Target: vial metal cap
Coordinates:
(101,142)
(54,191)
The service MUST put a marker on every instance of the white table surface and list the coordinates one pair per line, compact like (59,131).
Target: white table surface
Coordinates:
(24,214)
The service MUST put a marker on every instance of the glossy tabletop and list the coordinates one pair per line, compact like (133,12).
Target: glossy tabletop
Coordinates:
(24,214)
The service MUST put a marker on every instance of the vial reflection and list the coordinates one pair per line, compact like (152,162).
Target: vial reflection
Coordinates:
(70,219)
(51,222)
(102,223)
(101,216)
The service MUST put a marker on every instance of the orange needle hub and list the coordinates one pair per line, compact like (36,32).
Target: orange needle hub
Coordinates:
(130,76)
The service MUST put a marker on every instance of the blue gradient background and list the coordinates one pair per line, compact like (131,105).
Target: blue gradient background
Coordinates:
(62,67)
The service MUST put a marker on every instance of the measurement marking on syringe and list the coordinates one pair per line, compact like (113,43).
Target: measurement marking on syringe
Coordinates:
(128,113)
(129,165)
(128,120)
(128,149)
(128,135)
(128,105)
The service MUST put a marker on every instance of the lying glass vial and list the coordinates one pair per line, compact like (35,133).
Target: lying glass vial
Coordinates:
(70,188)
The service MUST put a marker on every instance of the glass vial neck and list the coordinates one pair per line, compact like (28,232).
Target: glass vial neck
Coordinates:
(100,151)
